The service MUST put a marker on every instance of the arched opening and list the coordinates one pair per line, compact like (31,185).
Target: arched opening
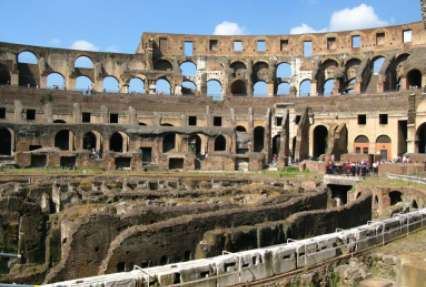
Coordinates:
(214,89)
(63,140)
(238,69)
(350,87)
(116,142)
(194,144)
(188,88)
(378,64)
(220,143)
(83,62)
(90,141)
(83,83)
(395,197)
(111,85)
(188,69)
(361,144)
(383,146)
(59,121)
(55,81)
(283,89)
(283,70)
(241,129)
(238,88)
(258,139)
(260,71)
(329,87)
(163,65)
(4,75)
(162,87)
(27,57)
(260,89)
(305,88)
(414,79)
(136,85)
(320,141)
(421,139)
(376,200)
(414,204)
(28,72)
(5,142)
(169,142)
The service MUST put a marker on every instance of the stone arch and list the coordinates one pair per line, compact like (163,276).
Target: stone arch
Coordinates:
(163,65)
(27,57)
(377,64)
(188,69)
(83,83)
(305,88)
(136,85)
(258,139)
(240,129)
(393,72)
(188,88)
(329,87)
(414,79)
(169,142)
(64,140)
(6,142)
(384,146)
(395,197)
(92,141)
(421,138)
(239,88)
(83,62)
(194,144)
(214,89)
(56,81)
(260,89)
(110,84)
(4,75)
(283,70)
(320,136)
(260,72)
(238,69)
(220,143)
(283,89)
(163,87)
(361,144)
(118,142)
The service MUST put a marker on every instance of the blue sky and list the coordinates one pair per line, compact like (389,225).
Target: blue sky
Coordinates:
(113,25)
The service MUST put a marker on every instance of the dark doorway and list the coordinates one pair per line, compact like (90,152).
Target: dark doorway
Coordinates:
(421,139)
(146,153)
(276,145)
(339,193)
(5,142)
(62,140)
(38,160)
(4,75)
(258,139)
(176,163)
(220,143)
(68,162)
(194,144)
(116,142)
(169,141)
(89,141)
(395,197)
(320,140)
(414,79)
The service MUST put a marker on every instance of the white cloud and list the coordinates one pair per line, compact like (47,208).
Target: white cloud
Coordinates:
(228,28)
(304,29)
(84,45)
(360,17)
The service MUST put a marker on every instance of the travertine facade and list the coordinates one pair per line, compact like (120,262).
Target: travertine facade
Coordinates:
(217,102)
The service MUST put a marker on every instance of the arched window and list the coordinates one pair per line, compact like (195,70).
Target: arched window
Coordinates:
(395,197)
(361,139)
(5,142)
(383,139)
(238,69)
(305,88)
(283,70)
(162,87)
(63,140)
(241,129)
(111,85)
(136,85)
(414,79)
(83,83)
(378,64)
(55,81)
(260,89)
(188,88)
(258,139)
(328,87)
(220,143)
(214,89)
(238,88)
(169,142)
(361,144)
(188,69)
(83,62)
(90,141)
(283,89)
(116,142)
(27,57)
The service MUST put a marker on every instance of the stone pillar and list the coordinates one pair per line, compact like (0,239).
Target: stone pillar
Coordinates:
(104,114)
(132,116)
(18,110)
(314,91)
(48,112)
(250,129)
(76,113)
(411,138)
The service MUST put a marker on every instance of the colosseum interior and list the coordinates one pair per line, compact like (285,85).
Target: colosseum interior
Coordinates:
(208,144)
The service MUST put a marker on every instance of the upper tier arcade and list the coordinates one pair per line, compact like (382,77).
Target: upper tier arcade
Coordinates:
(364,61)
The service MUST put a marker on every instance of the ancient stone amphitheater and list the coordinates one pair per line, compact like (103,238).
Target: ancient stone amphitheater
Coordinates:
(111,160)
